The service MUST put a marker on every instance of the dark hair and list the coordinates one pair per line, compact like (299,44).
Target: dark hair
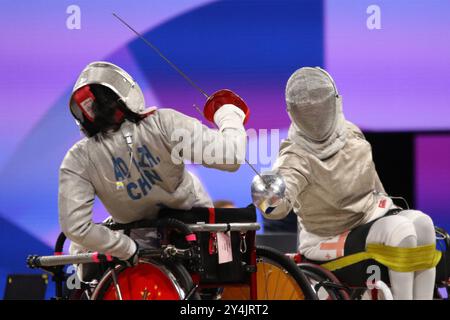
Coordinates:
(105,106)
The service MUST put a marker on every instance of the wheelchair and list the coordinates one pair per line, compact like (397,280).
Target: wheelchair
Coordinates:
(184,265)
(350,282)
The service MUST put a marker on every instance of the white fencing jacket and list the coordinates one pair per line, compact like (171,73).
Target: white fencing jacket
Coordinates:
(332,195)
(135,188)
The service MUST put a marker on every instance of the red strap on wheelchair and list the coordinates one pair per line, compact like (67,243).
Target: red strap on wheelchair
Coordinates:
(212,235)
(296,257)
(95,257)
(191,237)
(212,215)
(195,278)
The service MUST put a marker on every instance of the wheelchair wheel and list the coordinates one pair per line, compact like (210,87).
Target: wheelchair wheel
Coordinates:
(278,278)
(146,281)
(324,282)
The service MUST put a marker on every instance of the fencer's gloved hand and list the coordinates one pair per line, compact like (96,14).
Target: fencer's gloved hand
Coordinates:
(221,98)
(134,259)
(268,190)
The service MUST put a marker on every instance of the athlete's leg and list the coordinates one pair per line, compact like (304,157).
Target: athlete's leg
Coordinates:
(424,280)
(396,231)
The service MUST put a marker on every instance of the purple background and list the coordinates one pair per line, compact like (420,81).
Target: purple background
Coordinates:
(395,78)
(433,176)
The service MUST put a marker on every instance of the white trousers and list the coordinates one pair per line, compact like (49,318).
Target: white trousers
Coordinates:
(407,229)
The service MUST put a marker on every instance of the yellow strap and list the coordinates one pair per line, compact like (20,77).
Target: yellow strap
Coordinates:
(395,258)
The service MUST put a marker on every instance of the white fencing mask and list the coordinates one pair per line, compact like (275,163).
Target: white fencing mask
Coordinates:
(315,109)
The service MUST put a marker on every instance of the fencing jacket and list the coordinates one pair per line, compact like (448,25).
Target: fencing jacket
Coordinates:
(135,187)
(331,195)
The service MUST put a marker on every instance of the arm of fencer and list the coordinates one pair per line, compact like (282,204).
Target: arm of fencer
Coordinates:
(190,140)
(75,201)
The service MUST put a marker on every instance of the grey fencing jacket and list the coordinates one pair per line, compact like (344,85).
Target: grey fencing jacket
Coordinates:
(136,187)
(331,195)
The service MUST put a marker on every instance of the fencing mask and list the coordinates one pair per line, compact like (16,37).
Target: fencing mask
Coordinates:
(119,89)
(315,109)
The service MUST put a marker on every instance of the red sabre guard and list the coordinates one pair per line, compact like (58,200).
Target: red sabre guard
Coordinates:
(214,101)
(220,98)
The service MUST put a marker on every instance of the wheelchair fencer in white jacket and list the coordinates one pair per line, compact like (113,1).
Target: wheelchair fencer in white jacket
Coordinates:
(131,157)
(325,173)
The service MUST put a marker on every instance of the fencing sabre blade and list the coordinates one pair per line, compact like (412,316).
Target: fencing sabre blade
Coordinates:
(178,70)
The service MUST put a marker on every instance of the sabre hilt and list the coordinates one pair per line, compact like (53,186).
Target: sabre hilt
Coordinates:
(268,190)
